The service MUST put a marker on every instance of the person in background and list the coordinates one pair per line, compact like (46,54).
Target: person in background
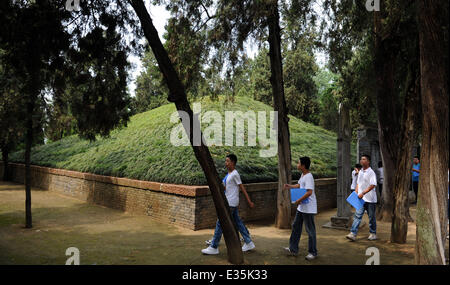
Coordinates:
(380,177)
(415,176)
(355,176)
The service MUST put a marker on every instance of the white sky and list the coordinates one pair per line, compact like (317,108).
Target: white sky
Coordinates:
(159,16)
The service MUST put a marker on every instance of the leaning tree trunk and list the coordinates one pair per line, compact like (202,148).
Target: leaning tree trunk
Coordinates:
(283,217)
(177,95)
(387,113)
(399,227)
(432,199)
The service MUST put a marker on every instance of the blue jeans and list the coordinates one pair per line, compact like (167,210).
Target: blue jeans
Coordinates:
(310,227)
(370,208)
(240,227)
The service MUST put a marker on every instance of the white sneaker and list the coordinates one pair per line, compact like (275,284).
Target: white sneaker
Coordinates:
(210,250)
(372,237)
(248,246)
(310,256)
(289,252)
(351,236)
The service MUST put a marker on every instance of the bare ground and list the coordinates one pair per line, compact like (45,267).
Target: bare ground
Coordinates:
(108,236)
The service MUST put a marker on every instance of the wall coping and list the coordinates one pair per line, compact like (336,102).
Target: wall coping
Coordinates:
(178,189)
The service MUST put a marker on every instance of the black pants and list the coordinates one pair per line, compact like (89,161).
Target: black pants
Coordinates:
(310,227)
(415,185)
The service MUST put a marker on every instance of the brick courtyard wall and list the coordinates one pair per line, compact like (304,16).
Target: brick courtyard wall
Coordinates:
(190,207)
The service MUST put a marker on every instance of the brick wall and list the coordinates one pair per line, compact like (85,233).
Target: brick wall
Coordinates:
(187,206)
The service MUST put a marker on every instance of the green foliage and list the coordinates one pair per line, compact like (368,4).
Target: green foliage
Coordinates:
(11,131)
(351,43)
(260,77)
(151,92)
(98,88)
(60,122)
(300,89)
(80,60)
(328,95)
(187,49)
(358,90)
(143,150)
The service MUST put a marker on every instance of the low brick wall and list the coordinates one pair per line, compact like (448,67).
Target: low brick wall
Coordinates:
(187,206)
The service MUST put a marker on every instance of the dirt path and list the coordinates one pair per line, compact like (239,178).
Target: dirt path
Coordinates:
(107,236)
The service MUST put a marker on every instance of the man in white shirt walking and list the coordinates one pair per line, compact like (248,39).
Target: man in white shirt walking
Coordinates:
(232,183)
(305,212)
(365,188)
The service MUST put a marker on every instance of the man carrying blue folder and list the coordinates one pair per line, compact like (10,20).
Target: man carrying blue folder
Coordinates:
(305,211)
(233,184)
(365,188)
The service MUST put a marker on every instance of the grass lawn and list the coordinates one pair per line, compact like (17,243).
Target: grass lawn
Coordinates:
(143,150)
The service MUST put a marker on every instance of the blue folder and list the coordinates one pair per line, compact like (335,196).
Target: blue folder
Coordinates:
(297,193)
(355,201)
(224,180)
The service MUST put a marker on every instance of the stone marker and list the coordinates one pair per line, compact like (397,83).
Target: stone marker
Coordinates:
(343,219)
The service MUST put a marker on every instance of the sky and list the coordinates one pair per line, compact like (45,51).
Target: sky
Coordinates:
(160,16)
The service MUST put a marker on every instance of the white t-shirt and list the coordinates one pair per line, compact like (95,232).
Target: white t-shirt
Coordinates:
(232,188)
(365,179)
(307,182)
(354,178)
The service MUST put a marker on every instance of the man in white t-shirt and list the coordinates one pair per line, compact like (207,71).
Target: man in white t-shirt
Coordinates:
(365,188)
(232,183)
(305,212)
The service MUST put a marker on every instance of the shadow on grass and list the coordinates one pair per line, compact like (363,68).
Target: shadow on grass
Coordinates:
(13,186)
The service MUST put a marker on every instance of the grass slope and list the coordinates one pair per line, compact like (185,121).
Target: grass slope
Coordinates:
(143,150)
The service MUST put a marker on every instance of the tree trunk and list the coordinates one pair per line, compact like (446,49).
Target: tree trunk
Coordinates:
(387,113)
(388,135)
(283,218)
(28,144)
(399,227)
(432,199)
(5,155)
(177,95)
